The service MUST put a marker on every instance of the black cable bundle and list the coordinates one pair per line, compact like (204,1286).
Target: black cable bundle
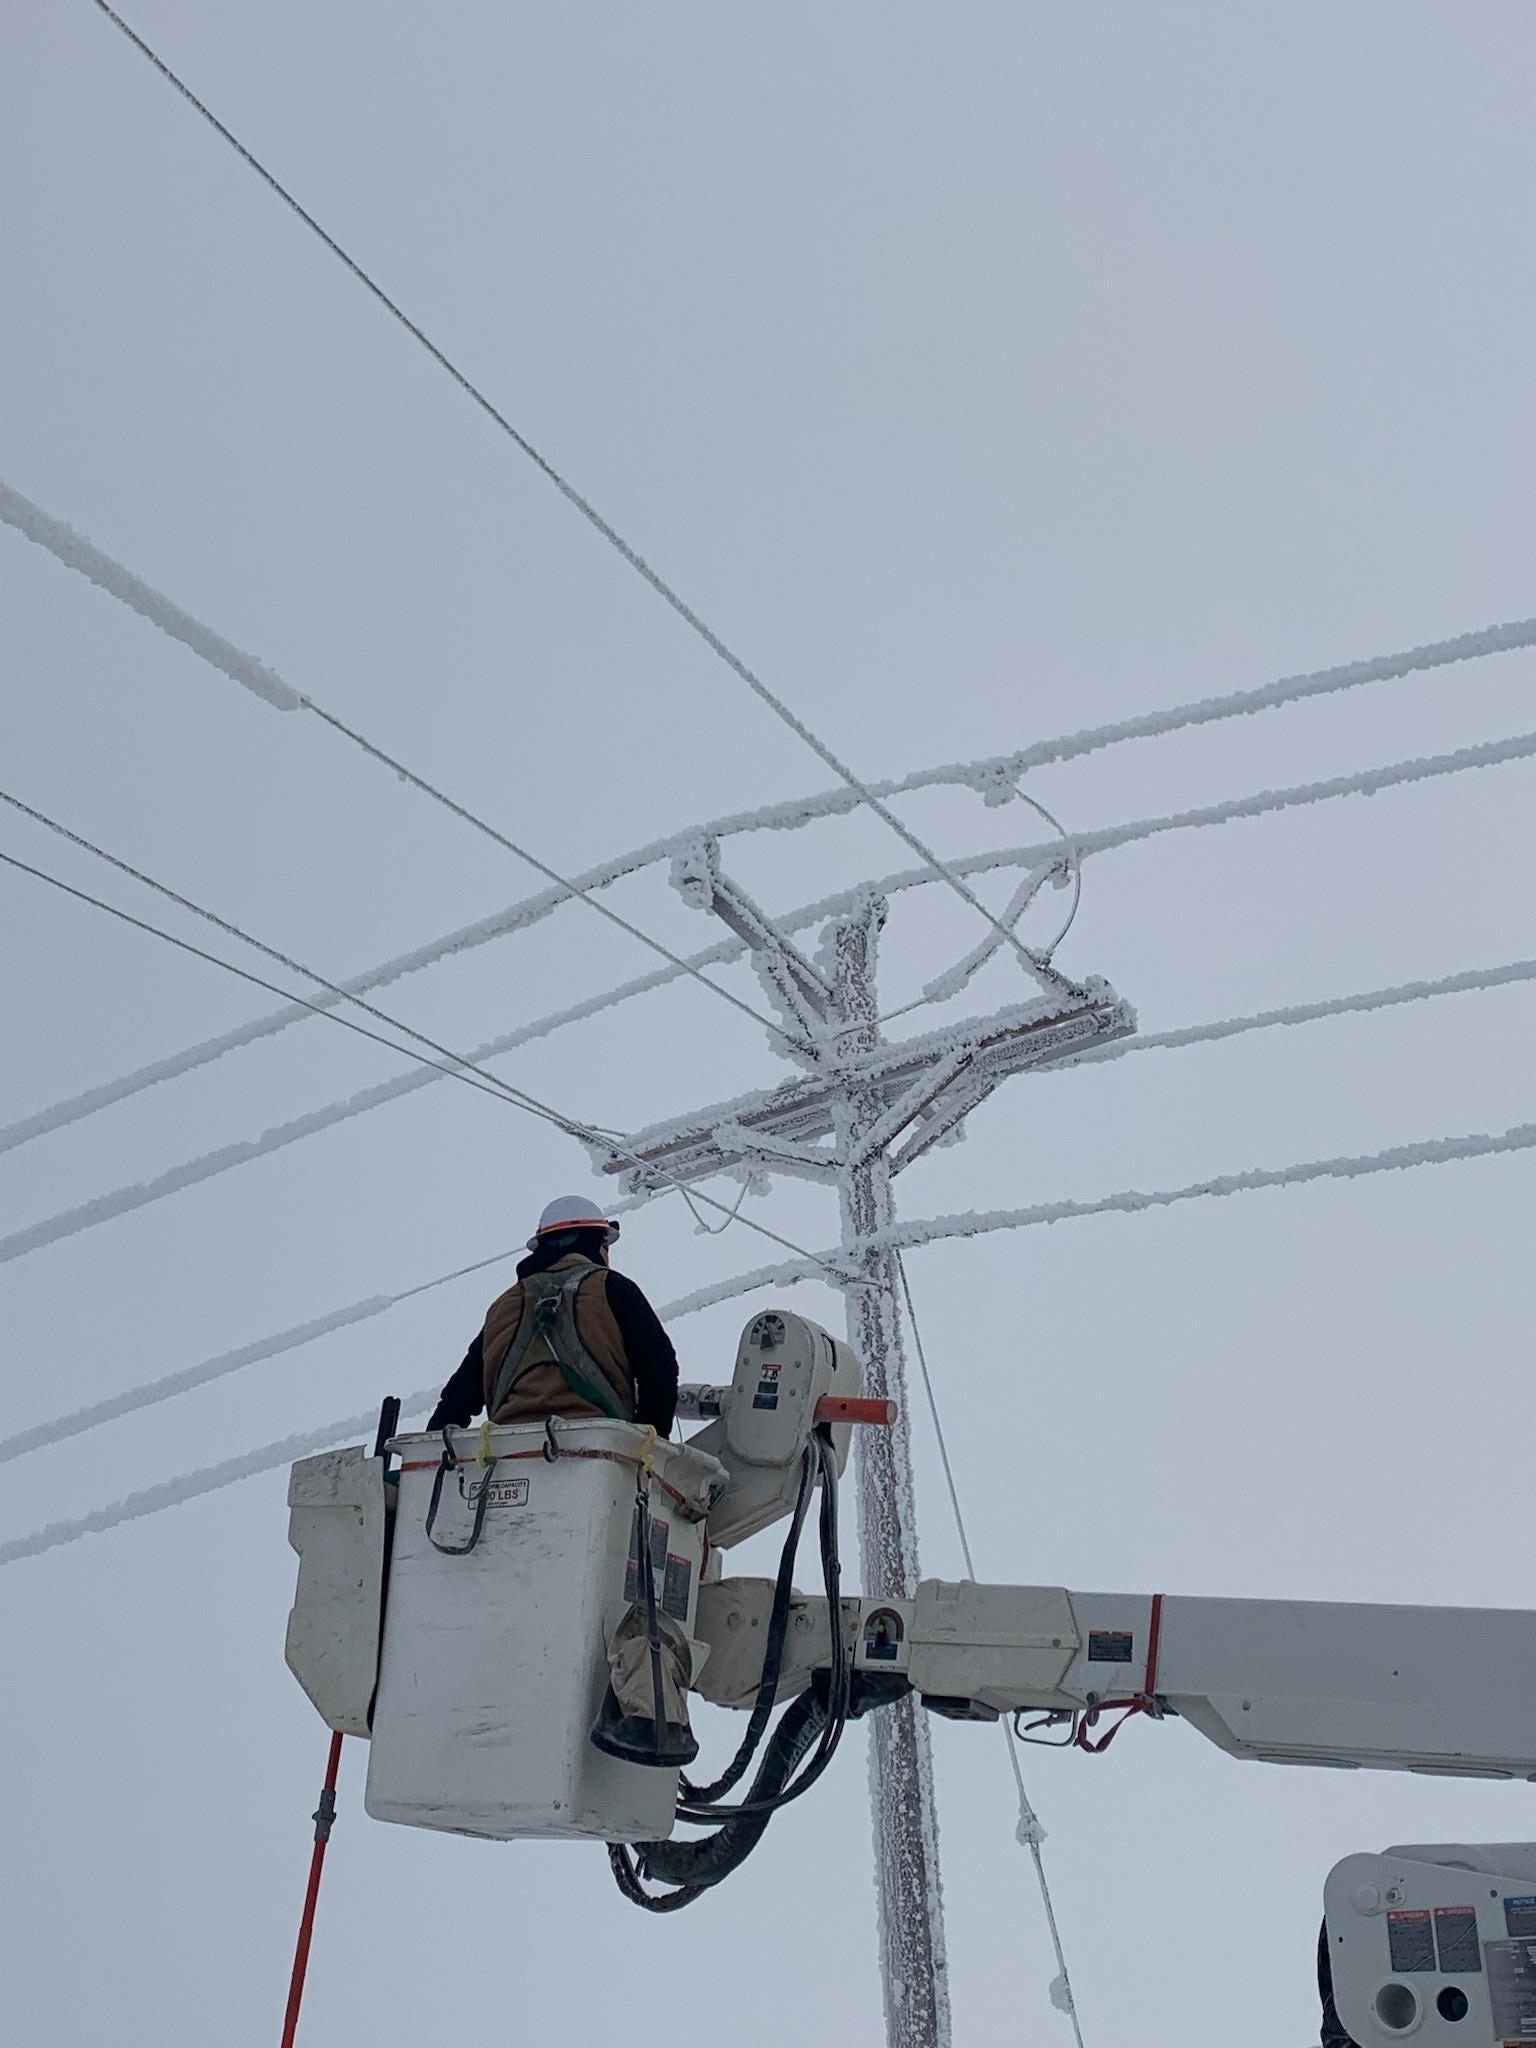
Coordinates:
(814,1721)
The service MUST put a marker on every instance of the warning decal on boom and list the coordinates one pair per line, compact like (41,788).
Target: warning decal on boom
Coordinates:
(1456,1939)
(1110,1646)
(1411,1939)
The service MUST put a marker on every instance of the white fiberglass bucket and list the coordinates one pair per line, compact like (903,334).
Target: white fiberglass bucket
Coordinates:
(494,1663)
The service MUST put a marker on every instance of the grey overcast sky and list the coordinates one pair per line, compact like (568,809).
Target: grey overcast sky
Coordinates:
(981,373)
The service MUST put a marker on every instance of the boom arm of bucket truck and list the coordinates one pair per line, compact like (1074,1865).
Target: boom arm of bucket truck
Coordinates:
(1437,1689)
(1429,1689)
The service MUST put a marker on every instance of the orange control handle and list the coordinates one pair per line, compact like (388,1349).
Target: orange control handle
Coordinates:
(854,1408)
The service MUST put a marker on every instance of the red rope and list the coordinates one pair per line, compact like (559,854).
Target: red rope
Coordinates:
(1143,1702)
(324,1817)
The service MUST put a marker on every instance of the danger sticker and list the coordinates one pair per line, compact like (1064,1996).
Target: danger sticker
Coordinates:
(1411,1941)
(507,1493)
(1456,1939)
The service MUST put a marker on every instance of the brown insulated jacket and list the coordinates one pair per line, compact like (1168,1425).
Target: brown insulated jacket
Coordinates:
(541,1388)
(649,1360)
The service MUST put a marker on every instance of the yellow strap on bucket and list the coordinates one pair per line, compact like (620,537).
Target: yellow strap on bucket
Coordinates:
(648,1448)
(483,1448)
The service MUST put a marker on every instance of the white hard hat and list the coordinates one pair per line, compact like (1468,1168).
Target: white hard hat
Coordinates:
(572,1212)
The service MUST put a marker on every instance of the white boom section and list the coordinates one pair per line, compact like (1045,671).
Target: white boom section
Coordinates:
(1435,1689)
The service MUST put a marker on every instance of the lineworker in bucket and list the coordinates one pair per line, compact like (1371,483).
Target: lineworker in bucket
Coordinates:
(570,1338)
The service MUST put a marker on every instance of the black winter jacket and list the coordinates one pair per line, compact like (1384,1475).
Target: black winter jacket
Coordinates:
(648,1348)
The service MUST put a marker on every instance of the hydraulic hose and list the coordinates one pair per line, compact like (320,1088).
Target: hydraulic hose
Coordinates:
(811,1726)
(838,1687)
(773,1648)
(697,1865)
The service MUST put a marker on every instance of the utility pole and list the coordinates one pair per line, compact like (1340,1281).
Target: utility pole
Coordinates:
(914,1964)
(861,1110)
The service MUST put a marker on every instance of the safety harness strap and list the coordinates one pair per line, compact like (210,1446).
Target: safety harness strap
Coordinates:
(549,1312)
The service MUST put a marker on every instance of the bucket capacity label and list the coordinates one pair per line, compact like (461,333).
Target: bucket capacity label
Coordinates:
(507,1493)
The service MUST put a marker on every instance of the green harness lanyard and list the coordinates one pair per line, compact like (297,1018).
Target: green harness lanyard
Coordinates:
(545,1314)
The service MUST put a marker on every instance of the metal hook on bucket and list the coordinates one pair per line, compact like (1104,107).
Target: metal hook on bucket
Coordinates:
(479,1496)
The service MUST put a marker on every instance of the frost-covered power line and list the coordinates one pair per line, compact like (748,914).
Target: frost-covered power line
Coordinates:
(1399,1158)
(1367,782)
(101,1208)
(154,931)
(1379,668)
(76,552)
(1473,980)
(866,792)
(992,776)
(187,1486)
(171,1384)
(97,1413)
(80,1421)
(83,556)
(631,555)
(1507,638)
(1133,1201)
(459,1066)
(225,1158)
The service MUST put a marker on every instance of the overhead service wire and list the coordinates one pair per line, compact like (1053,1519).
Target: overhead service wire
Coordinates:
(1494,639)
(460,1067)
(78,553)
(1029,1833)
(155,931)
(96,1414)
(398,767)
(1133,1201)
(994,777)
(1436,1152)
(1368,782)
(102,1208)
(1039,968)
(209,1165)
(1476,980)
